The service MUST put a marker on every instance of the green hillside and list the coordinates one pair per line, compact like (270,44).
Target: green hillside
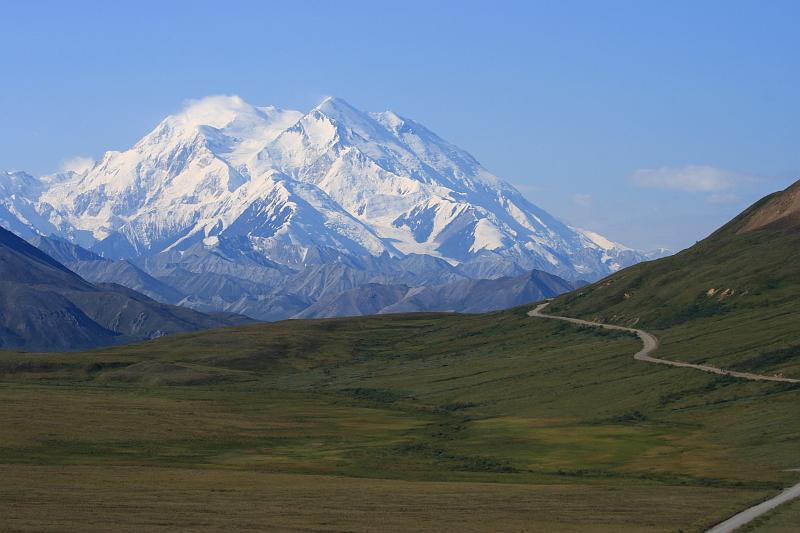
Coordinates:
(731,300)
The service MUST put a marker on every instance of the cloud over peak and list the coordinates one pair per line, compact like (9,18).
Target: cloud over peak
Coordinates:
(78,164)
(691,178)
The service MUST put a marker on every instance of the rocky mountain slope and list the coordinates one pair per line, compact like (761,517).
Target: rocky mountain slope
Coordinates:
(98,269)
(463,296)
(45,306)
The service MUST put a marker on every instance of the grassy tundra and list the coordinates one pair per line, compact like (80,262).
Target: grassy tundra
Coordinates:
(422,421)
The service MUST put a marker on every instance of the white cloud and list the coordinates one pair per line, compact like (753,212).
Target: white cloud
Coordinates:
(216,110)
(692,178)
(583,200)
(76,164)
(723,198)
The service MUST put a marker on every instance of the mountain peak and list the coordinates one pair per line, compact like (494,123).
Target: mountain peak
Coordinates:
(334,102)
(17,179)
(339,110)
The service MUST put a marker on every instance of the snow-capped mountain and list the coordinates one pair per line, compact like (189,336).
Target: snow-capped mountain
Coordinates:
(19,211)
(334,178)
(297,190)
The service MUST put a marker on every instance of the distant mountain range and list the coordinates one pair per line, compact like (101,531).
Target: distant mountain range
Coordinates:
(268,212)
(335,290)
(464,296)
(45,306)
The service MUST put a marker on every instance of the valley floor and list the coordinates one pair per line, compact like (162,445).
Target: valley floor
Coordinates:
(424,422)
(85,498)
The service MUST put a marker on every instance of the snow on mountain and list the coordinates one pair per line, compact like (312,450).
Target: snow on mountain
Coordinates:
(18,210)
(601,241)
(303,189)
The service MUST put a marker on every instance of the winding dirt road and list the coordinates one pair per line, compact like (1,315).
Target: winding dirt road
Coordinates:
(650,344)
(748,515)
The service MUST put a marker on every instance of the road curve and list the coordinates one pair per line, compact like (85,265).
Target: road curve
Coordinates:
(650,344)
(738,520)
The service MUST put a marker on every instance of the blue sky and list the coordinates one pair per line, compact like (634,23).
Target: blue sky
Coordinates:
(650,122)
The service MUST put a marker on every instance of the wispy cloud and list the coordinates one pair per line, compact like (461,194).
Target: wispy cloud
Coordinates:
(723,198)
(582,200)
(76,164)
(692,178)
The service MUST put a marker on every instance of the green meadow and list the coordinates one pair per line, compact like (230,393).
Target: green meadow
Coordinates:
(402,422)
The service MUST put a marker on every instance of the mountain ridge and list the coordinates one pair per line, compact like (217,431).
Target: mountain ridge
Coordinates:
(461,296)
(46,306)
